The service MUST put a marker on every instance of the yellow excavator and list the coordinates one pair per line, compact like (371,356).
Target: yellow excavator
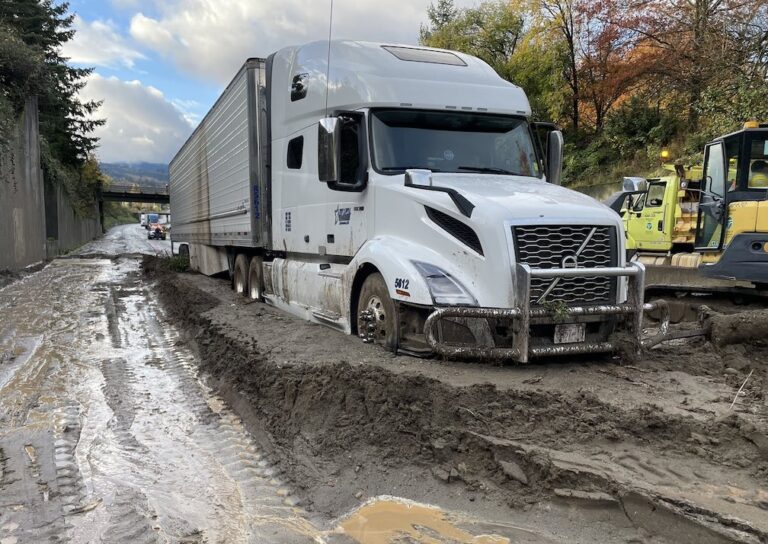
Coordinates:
(704,227)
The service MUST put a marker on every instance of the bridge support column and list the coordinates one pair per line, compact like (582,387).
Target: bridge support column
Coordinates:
(101,216)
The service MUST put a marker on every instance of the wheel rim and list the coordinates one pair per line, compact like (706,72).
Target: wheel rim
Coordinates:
(372,321)
(239,283)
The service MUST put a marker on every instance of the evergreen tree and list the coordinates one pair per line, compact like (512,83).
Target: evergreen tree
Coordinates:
(32,33)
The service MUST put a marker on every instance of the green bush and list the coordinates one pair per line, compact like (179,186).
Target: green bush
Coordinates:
(178,263)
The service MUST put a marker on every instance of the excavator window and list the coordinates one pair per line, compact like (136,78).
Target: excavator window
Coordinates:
(732,148)
(758,162)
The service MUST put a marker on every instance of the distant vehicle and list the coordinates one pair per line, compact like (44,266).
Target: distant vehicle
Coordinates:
(411,202)
(143,220)
(157,226)
(157,232)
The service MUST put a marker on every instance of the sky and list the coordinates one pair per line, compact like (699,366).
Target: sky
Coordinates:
(160,64)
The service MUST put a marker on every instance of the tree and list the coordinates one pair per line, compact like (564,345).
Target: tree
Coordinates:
(31,35)
(490,31)
(442,14)
(701,44)
(560,16)
(610,62)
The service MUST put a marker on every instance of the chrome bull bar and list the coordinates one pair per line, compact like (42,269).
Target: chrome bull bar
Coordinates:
(521,316)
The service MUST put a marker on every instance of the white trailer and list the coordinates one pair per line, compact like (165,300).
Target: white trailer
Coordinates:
(402,194)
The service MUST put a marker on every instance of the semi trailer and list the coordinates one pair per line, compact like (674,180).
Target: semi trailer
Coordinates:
(402,194)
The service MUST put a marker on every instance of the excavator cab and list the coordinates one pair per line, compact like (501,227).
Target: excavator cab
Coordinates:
(732,226)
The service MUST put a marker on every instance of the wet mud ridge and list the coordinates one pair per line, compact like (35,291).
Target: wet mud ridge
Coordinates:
(590,450)
(107,433)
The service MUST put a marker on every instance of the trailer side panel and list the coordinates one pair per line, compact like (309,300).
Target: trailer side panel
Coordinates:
(212,176)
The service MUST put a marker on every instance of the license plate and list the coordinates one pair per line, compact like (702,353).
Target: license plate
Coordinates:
(570,333)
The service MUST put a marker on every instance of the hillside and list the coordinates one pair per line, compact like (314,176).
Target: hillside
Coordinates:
(144,173)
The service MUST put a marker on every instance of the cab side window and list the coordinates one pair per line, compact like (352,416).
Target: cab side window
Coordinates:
(350,141)
(295,153)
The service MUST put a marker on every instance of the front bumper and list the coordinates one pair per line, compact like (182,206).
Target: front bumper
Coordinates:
(628,334)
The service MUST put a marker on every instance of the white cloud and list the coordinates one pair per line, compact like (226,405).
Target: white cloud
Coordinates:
(210,40)
(98,44)
(142,125)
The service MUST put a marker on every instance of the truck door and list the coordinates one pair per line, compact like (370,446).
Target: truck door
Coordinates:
(647,223)
(709,230)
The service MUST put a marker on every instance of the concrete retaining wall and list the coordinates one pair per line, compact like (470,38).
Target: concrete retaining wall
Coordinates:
(36,219)
(22,200)
(71,230)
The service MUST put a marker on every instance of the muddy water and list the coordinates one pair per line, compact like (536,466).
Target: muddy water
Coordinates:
(390,520)
(108,434)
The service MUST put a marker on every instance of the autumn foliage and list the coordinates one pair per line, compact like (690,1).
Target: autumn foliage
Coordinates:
(622,77)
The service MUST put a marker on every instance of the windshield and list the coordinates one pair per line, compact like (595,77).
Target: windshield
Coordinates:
(452,142)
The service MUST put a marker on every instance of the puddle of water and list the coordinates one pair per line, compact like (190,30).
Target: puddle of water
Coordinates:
(388,520)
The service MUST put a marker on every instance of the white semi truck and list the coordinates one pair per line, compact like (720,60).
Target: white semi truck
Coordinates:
(403,195)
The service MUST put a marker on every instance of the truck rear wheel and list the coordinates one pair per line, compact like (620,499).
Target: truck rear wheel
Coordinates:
(255,283)
(376,317)
(240,278)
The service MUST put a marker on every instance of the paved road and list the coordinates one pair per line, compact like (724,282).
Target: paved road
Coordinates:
(106,432)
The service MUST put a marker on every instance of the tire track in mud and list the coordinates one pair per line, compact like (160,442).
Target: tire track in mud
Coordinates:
(41,484)
(106,432)
(168,436)
(222,434)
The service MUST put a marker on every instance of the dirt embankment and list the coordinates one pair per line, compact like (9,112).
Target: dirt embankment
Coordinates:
(346,421)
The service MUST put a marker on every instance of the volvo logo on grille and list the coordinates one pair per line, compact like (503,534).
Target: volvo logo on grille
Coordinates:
(569,261)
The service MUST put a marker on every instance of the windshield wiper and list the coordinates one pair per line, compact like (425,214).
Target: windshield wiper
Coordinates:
(389,168)
(487,170)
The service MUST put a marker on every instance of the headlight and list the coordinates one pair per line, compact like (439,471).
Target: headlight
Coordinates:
(445,290)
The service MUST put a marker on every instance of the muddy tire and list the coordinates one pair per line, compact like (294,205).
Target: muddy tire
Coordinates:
(376,316)
(255,279)
(240,275)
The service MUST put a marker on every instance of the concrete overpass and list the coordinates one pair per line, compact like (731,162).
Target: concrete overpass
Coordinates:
(149,194)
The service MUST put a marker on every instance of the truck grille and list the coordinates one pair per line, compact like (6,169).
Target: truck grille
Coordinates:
(545,246)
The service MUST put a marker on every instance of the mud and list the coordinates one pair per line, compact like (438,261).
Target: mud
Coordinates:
(107,433)
(644,444)
(142,405)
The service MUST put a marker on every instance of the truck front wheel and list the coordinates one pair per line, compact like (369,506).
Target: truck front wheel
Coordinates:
(376,316)
(240,278)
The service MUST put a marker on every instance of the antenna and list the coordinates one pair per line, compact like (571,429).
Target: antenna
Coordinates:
(328,60)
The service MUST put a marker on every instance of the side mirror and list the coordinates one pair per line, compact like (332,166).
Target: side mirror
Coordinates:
(328,149)
(634,184)
(417,177)
(555,157)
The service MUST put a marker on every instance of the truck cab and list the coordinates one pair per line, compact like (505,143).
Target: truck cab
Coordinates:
(417,179)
